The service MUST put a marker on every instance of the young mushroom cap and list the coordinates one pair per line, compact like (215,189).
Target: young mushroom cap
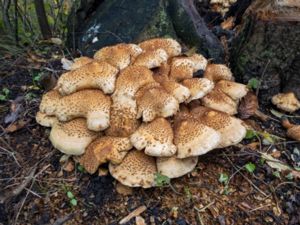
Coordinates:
(44,120)
(171,46)
(200,62)
(99,75)
(81,61)
(286,101)
(151,59)
(173,167)
(193,138)
(218,100)
(293,131)
(198,87)
(234,90)
(71,137)
(155,137)
(136,170)
(181,68)
(217,72)
(103,150)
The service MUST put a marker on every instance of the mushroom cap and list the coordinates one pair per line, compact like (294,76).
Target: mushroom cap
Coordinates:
(231,129)
(181,68)
(294,132)
(49,102)
(193,138)
(71,137)
(173,167)
(81,61)
(155,102)
(171,46)
(198,87)
(155,137)
(136,170)
(92,75)
(119,55)
(234,90)
(152,59)
(103,150)
(44,120)
(217,72)
(286,101)
(90,103)
(218,100)
(200,62)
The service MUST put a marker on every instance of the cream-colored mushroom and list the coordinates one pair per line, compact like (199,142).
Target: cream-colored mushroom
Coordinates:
(81,61)
(234,90)
(151,59)
(217,72)
(198,87)
(286,101)
(44,120)
(171,46)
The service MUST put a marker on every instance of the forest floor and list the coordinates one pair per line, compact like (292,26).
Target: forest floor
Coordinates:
(235,185)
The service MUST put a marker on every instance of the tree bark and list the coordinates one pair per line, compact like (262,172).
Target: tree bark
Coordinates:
(42,19)
(5,15)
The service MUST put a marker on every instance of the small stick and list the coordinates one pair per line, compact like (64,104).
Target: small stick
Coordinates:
(133,214)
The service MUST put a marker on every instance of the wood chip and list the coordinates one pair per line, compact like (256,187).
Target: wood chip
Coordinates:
(139,220)
(133,214)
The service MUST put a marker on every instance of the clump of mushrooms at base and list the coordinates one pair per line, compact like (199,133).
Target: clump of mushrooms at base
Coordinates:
(138,108)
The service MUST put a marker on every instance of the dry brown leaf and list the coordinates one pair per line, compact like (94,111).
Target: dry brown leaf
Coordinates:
(248,106)
(16,126)
(228,24)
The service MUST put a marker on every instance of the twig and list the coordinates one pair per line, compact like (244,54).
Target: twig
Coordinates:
(12,154)
(262,77)
(205,207)
(260,207)
(64,219)
(133,214)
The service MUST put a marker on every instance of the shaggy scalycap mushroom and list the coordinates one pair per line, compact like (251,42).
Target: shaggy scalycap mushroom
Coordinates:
(286,101)
(136,170)
(44,120)
(152,59)
(120,55)
(193,138)
(155,137)
(171,46)
(200,62)
(181,68)
(217,72)
(71,137)
(234,90)
(50,101)
(99,75)
(198,87)
(173,167)
(103,150)
(81,61)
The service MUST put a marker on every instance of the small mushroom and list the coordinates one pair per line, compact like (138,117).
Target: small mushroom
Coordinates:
(286,101)
(173,167)
(81,61)
(218,100)
(44,120)
(103,150)
(155,137)
(151,59)
(234,90)
(136,170)
(193,138)
(171,46)
(217,72)
(92,75)
(293,130)
(198,87)
(71,137)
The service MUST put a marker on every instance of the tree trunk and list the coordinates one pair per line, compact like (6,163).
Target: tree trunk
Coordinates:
(5,16)
(42,19)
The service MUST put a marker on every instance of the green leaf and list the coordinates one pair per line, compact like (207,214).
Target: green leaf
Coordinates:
(250,167)
(187,192)
(80,168)
(276,174)
(253,83)
(73,202)
(289,176)
(161,180)
(223,178)
(3,97)
(5,91)
(250,134)
(70,195)
(276,113)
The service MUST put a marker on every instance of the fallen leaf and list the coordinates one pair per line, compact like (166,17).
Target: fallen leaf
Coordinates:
(248,106)
(275,163)
(16,126)
(56,41)
(228,24)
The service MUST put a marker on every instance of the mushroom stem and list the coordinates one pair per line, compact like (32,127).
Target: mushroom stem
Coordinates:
(286,123)
(261,115)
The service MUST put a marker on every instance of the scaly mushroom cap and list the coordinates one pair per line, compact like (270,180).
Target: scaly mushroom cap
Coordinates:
(200,62)
(155,137)
(198,87)
(163,70)
(93,75)
(193,138)
(136,170)
(81,61)
(71,137)
(119,55)
(103,150)
(152,59)
(180,92)
(234,90)
(181,68)
(44,120)
(50,102)
(156,102)
(218,100)
(91,104)
(173,167)
(171,46)
(231,129)
(217,72)
(286,101)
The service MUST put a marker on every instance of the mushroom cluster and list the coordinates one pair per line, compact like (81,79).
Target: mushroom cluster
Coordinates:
(139,109)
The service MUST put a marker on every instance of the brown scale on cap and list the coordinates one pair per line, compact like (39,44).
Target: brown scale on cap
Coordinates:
(71,137)
(81,61)
(198,87)
(181,68)
(44,120)
(103,150)
(218,100)
(234,90)
(91,104)
(193,138)
(171,46)
(136,170)
(286,102)
(217,72)
(151,59)
(155,137)
(99,75)
(119,55)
